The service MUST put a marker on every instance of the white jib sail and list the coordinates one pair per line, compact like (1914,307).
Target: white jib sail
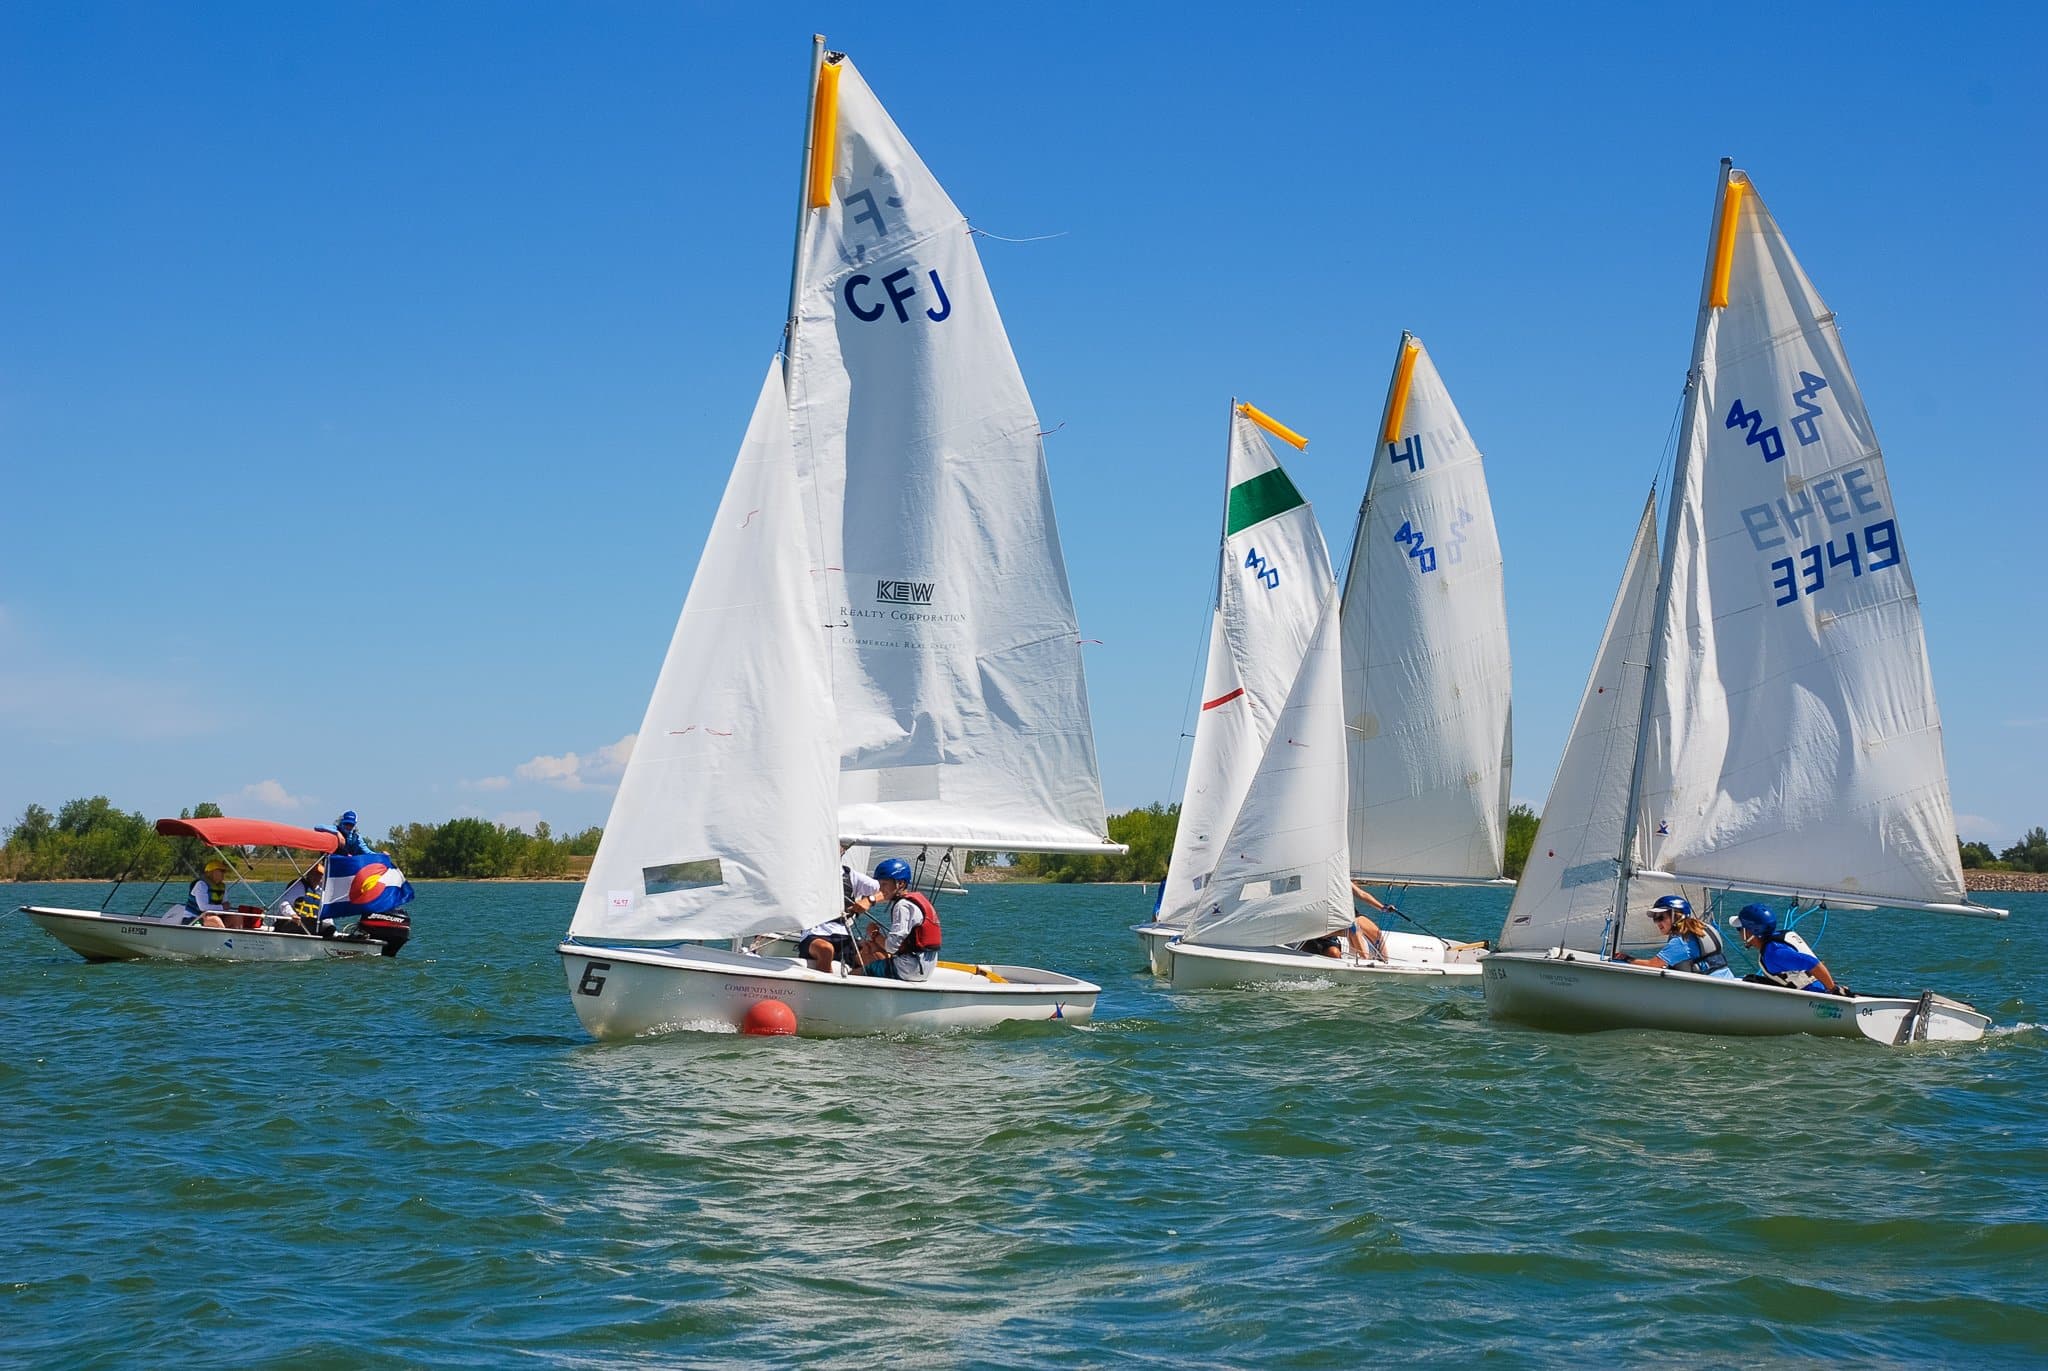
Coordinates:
(1565,897)
(1794,737)
(963,715)
(1282,874)
(1426,675)
(724,822)
(1274,575)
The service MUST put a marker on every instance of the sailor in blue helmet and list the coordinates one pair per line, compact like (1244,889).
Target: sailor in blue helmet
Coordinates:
(906,946)
(345,829)
(1692,944)
(1779,961)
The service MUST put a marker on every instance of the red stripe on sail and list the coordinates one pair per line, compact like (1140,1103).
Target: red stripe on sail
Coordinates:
(1224,699)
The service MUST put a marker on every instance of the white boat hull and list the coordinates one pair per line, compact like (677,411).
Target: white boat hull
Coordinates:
(1580,992)
(636,992)
(1154,938)
(111,938)
(1410,957)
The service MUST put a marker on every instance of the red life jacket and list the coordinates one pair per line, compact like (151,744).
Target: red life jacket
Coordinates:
(924,937)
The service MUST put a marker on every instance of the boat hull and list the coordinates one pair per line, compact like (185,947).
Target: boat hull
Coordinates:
(110,938)
(1410,957)
(1154,938)
(1579,992)
(638,992)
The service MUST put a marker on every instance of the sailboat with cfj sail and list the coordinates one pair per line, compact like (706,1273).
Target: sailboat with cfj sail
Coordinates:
(879,645)
(1354,736)
(1761,713)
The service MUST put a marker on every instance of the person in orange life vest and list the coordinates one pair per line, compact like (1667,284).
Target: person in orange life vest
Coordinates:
(902,948)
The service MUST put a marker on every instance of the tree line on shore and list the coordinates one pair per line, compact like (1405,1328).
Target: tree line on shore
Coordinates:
(90,839)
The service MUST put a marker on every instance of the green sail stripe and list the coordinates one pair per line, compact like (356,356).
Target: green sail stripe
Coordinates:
(1265,495)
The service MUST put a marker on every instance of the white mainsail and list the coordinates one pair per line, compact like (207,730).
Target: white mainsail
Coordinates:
(963,717)
(1566,895)
(1794,744)
(1426,673)
(1273,578)
(723,824)
(1282,875)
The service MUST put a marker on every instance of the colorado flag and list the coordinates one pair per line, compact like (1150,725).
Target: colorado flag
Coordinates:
(363,884)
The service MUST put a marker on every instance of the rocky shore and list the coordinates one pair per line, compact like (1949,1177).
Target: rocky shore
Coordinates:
(2025,882)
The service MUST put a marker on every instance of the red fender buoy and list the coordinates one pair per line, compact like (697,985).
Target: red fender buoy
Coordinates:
(769,1019)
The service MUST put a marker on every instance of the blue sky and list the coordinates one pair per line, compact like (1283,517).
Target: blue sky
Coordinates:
(369,372)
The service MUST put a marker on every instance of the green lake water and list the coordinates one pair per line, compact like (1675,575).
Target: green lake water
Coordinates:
(424,1162)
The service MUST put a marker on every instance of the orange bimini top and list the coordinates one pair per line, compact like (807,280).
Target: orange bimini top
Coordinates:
(249,833)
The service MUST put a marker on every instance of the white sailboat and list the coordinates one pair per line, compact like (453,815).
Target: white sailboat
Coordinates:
(1274,571)
(1761,715)
(879,644)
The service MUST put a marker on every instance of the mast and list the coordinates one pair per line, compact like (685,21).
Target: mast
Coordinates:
(803,212)
(1681,469)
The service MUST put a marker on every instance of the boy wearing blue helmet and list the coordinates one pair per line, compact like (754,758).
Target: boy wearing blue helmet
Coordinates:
(906,948)
(1780,962)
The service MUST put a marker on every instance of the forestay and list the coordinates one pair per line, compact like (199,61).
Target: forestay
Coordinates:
(1272,580)
(1282,875)
(1794,739)
(1566,895)
(956,660)
(1426,673)
(723,823)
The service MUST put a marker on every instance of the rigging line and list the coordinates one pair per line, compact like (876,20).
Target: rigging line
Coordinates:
(974,232)
(1403,914)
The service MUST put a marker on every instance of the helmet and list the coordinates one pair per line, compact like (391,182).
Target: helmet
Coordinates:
(893,869)
(1757,919)
(1677,904)
(348,818)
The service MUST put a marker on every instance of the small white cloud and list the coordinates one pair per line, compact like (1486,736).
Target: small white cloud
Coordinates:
(599,770)
(2026,723)
(263,795)
(519,818)
(1975,828)
(486,783)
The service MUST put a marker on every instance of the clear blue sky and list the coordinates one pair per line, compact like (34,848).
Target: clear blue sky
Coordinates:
(368,372)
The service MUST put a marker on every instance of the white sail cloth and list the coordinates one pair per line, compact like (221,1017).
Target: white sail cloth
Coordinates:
(1426,671)
(1794,738)
(1273,578)
(724,820)
(1282,875)
(956,661)
(1566,895)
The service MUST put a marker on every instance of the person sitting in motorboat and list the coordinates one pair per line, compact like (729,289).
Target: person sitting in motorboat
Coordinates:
(206,903)
(345,829)
(906,946)
(820,943)
(1779,962)
(298,909)
(1692,944)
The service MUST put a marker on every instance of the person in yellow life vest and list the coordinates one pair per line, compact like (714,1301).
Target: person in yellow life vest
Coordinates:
(298,909)
(206,903)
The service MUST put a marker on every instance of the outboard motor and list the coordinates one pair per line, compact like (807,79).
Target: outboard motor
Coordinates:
(390,928)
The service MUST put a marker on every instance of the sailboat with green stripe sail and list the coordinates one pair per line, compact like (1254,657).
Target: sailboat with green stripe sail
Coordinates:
(1261,861)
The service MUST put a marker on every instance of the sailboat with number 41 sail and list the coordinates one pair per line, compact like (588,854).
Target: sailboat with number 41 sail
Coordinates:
(1761,714)
(879,645)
